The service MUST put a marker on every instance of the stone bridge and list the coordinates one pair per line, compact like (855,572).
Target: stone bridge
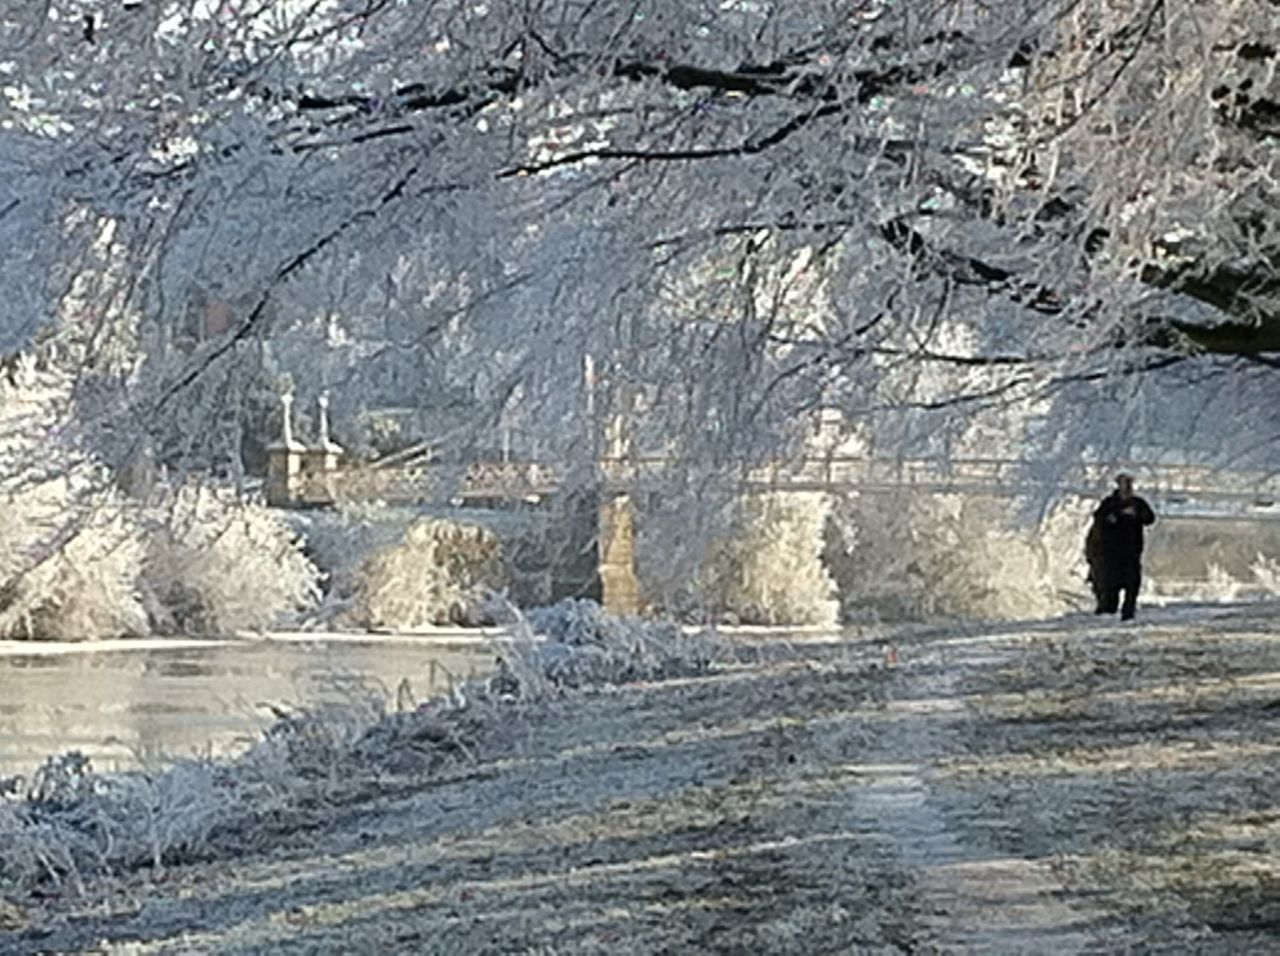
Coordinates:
(319,475)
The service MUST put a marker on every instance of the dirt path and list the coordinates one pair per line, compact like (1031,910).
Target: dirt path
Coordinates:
(1064,788)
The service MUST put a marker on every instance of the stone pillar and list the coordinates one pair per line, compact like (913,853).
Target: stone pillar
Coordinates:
(320,463)
(322,401)
(619,589)
(284,461)
(615,527)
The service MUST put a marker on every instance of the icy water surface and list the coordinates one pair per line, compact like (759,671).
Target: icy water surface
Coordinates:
(125,703)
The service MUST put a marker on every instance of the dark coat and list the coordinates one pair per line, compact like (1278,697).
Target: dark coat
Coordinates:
(1117,530)
(1093,552)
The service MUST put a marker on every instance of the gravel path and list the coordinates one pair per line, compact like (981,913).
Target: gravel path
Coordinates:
(1065,787)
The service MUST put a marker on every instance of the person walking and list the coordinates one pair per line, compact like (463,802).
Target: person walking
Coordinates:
(1115,548)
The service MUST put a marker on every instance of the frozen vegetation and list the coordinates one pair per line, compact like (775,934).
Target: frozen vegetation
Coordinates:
(66,826)
(624,787)
(80,557)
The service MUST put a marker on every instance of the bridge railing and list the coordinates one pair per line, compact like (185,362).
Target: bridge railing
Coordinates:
(419,481)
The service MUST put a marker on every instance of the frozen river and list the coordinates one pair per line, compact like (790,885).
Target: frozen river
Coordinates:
(124,703)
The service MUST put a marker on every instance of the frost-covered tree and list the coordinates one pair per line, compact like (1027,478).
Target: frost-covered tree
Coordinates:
(738,212)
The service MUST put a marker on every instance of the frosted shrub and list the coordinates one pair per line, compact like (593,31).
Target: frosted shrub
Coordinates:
(1215,560)
(74,578)
(1219,585)
(338,540)
(171,812)
(766,568)
(1266,571)
(635,649)
(576,644)
(438,573)
(917,555)
(307,745)
(673,533)
(67,823)
(70,551)
(770,570)
(900,556)
(217,563)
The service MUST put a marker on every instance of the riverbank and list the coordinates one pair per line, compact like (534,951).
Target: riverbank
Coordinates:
(1072,784)
(133,703)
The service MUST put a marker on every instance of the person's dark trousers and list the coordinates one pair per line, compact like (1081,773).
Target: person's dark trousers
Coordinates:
(1108,598)
(1097,584)
(1132,584)
(1126,576)
(1100,594)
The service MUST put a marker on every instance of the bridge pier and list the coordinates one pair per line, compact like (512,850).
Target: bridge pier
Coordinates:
(615,544)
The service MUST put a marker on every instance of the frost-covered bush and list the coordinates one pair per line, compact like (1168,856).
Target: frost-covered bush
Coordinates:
(67,823)
(1220,584)
(770,570)
(78,559)
(673,533)
(338,541)
(533,556)
(1266,572)
(78,579)
(218,563)
(764,565)
(1213,560)
(69,547)
(438,573)
(917,555)
(583,645)
(308,745)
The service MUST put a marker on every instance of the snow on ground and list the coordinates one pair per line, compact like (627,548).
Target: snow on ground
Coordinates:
(1071,786)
